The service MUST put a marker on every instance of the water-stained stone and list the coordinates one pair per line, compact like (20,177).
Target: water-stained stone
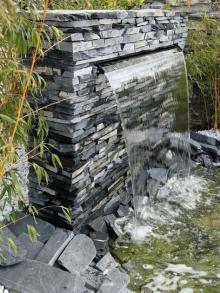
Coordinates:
(44,229)
(78,254)
(33,247)
(36,277)
(8,256)
(59,239)
(115,281)
(98,225)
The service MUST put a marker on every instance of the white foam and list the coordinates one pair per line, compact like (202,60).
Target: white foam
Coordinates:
(183,269)
(176,196)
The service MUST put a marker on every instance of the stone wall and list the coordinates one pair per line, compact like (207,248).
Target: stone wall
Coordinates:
(190,6)
(83,121)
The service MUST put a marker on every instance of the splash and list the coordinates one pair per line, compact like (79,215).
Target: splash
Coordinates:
(173,200)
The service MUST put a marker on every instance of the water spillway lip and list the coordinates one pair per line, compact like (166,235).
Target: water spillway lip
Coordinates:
(140,67)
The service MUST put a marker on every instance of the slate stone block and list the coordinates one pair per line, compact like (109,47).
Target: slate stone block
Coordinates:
(107,263)
(36,277)
(44,229)
(33,248)
(78,255)
(114,282)
(100,240)
(92,277)
(10,257)
(54,246)
(98,225)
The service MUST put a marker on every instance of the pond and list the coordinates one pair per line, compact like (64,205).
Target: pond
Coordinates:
(181,247)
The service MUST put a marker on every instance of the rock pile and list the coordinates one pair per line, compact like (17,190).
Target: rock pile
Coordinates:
(83,121)
(61,261)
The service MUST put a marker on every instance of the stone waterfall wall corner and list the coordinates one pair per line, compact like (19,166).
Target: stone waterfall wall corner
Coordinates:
(84,125)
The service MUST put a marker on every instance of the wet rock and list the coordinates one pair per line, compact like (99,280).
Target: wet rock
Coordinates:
(33,248)
(110,220)
(78,254)
(107,263)
(35,277)
(202,138)
(98,225)
(55,246)
(10,257)
(114,282)
(112,205)
(123,211)
(100,240)
(44,229)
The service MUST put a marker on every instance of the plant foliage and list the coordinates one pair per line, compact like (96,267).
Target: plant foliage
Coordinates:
(203,65)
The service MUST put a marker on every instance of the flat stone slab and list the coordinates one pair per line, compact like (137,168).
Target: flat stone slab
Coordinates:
(78,255)
(92,277)
(8,256)
(44,229)
(107,263)
(54,246)
(115,281)
(32,276)
(33,248)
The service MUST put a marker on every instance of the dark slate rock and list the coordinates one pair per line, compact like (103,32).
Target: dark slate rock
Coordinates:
(44,229)
(110,221)
(115,281)
(107,263)
(92,277)
(98,225)
(213,151)
(55,246)
(36,277)
(112,205)
(9,257)
(123,211)
(78,255)
(204,139)
(100,240)
(33,248)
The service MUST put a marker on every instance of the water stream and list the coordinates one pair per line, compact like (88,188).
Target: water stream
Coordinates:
(172,242)
(152,97)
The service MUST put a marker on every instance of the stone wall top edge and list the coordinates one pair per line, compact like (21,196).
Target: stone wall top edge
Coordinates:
(114,13)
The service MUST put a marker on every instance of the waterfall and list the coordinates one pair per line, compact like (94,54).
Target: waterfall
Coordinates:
(152,98)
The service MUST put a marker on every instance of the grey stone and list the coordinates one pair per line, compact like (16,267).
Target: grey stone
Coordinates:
(107,263)
(159,174)
(114,282)
(78,254)
(92,277)
(36,277)
(54,246)
(44,229)
(123,211)
(98,225)
(112,205)
(100,240)
(33,247)
(8,256)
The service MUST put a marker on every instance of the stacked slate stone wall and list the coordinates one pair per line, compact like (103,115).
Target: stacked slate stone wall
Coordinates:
(84,124)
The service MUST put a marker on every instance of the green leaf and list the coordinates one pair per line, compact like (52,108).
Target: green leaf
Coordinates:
(12,246)
(32,233)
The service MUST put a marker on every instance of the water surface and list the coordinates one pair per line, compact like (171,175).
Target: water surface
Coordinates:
(176,245)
